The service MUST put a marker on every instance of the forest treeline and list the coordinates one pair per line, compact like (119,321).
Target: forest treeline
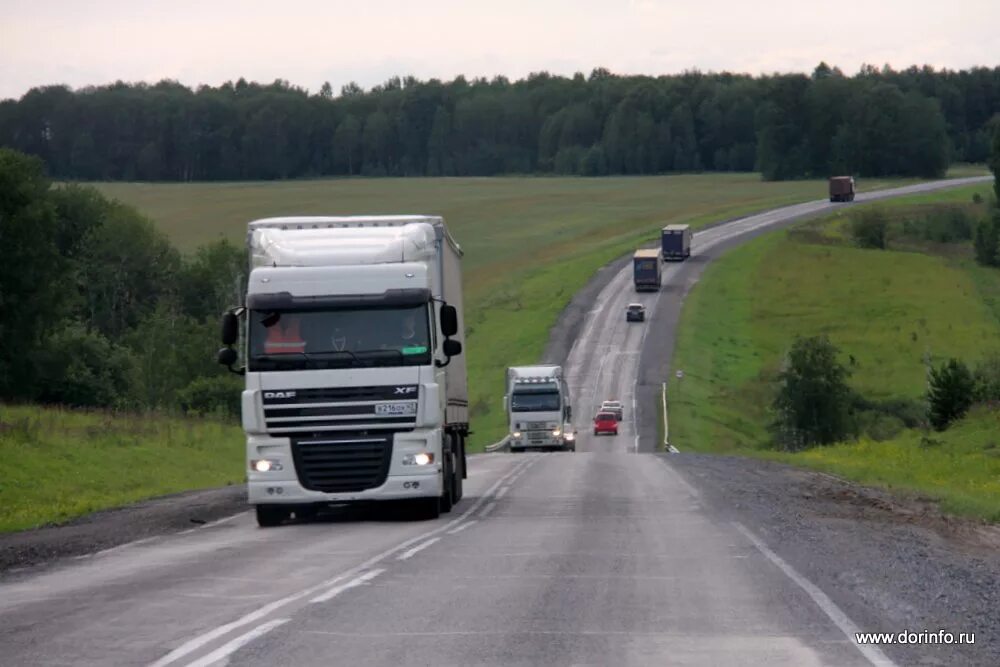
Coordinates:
(877,122)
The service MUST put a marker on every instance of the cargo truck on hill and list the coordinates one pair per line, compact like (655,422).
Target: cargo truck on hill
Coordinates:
(538,408)
(355,385)
(842,188)
(646,272)
(675,242)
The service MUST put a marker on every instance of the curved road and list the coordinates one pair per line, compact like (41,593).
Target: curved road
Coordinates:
(599,557)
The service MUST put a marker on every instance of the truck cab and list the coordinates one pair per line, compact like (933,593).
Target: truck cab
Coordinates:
(355,387)
(538,409)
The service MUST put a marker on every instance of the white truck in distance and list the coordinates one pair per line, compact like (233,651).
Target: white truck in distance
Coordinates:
(538,409)
(355,389)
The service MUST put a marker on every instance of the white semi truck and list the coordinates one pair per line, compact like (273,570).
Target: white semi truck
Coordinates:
(539,414)
(356,389)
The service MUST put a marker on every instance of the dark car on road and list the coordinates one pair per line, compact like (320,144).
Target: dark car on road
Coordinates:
(605,422)
(635,312)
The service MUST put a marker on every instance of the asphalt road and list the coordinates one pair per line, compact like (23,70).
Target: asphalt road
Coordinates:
(599,557)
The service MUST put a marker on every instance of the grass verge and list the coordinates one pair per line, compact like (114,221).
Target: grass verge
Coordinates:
(888,311)
(61,464)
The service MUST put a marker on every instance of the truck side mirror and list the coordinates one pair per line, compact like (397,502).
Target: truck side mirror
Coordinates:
(230,328)
(449,321)
(451,348)
(227,356)
(505,402)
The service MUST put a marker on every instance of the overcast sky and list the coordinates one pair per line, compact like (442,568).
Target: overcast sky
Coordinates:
(87,42)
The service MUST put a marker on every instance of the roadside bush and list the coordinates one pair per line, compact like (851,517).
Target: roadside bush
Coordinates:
(943,224)
(879,426)
(911,414)
(987,240)
(987,378)
(951,393)
(813,403)
(870,228)
(219,396)
(81,368)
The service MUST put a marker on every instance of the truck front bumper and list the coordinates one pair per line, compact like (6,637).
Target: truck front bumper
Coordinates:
(397,487)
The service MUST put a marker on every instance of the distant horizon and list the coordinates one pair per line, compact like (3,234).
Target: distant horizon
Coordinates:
(314,90)
(309,42)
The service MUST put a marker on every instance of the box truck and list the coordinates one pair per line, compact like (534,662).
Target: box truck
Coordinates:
(675,242)
(355,383)
(842,188)
(539,414)
(646,270)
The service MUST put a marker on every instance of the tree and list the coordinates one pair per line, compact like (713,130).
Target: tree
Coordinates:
(347,145)
(813,400)
(995,161)
(32,274)
(950,393)
(212,280)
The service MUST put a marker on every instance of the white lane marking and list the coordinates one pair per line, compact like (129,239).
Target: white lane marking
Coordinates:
(353,583)
(417,549)
(465,525)
(229,648)
(199,641)
(486,510)
(829,607)
(502,492)
(673,450)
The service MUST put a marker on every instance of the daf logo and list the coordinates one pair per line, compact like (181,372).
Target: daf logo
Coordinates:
(279,394)
(405,390)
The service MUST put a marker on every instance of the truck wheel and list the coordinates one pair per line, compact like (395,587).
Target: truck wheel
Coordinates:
(516,450)
(269,516)
(428,508)
(448,478)
(460,473)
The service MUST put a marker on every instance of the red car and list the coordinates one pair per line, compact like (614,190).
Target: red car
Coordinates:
(606,422)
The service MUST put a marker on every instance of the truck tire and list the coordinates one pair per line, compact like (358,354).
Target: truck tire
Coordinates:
(269,516)
(446,501)
(516,450)
(460,473)
(428,509)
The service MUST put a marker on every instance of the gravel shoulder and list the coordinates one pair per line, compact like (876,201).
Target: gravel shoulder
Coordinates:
(29,549)
(890,562)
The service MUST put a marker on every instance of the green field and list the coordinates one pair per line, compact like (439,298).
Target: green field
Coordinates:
(61,464)
(530,243)
(889,310)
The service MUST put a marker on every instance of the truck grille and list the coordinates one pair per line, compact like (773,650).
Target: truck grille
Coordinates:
(346,463)
(314,412)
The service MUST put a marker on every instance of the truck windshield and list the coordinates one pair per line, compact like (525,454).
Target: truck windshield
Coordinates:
(341,338)
(535,401)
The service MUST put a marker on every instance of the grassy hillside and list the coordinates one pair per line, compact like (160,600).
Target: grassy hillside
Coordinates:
(888,312)
(59,464)
(530,243)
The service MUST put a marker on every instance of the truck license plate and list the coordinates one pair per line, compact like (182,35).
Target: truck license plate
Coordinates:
(396,409)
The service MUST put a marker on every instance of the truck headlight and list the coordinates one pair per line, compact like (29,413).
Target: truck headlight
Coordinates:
(570,437)
(264,465)
(557,432)
(516,434)
(419,459)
